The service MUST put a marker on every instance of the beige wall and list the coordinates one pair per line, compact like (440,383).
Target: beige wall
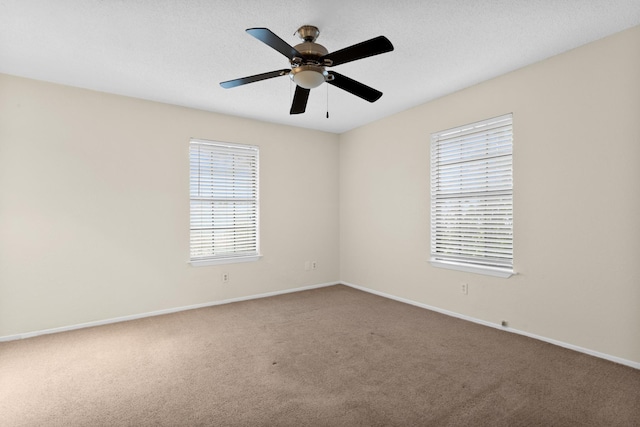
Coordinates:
(94,204)
(94,207)
(576,200)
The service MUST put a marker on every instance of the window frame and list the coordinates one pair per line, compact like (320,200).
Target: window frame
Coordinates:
(453,246)
(248,153)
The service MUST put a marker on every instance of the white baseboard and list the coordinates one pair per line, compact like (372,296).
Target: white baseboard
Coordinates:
(159,312)
(605,356)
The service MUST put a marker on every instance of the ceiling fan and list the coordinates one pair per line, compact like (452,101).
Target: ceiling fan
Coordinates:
(309,61)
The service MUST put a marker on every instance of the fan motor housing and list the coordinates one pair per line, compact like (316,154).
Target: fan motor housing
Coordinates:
(311,50)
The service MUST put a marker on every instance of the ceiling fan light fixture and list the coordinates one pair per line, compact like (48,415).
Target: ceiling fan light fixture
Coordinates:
(308,76)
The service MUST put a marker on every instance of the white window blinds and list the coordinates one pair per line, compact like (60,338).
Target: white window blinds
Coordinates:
(223,182)
(472,195)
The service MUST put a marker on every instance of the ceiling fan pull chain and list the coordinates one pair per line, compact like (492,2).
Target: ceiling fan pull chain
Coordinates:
(327,101)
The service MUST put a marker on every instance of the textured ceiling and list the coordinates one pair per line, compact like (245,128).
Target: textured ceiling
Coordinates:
(178,51)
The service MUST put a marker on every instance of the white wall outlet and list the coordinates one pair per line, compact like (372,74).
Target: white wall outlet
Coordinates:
(225,277)
(307,265)
(314,265)
(464,288)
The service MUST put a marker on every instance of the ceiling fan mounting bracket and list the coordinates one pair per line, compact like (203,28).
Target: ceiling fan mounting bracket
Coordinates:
(308,33)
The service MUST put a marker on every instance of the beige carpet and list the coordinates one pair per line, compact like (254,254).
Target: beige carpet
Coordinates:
(327,357)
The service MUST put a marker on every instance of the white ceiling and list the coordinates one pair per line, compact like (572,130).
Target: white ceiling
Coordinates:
(177,51)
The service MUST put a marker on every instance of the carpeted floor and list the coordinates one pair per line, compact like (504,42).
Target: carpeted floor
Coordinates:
(326,357)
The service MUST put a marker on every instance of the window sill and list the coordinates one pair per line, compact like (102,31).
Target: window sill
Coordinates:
(488,271)
(220,261)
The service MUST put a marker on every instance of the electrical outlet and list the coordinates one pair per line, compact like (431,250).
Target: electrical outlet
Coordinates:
(314,265)
(225,277)
(464,288)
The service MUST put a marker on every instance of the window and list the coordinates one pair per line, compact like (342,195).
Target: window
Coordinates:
(472,197)
(223,187)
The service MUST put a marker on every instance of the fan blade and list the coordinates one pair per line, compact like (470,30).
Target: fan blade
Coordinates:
(300,98)
(356,88)
(267,37)
(372,47)
(256,78)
